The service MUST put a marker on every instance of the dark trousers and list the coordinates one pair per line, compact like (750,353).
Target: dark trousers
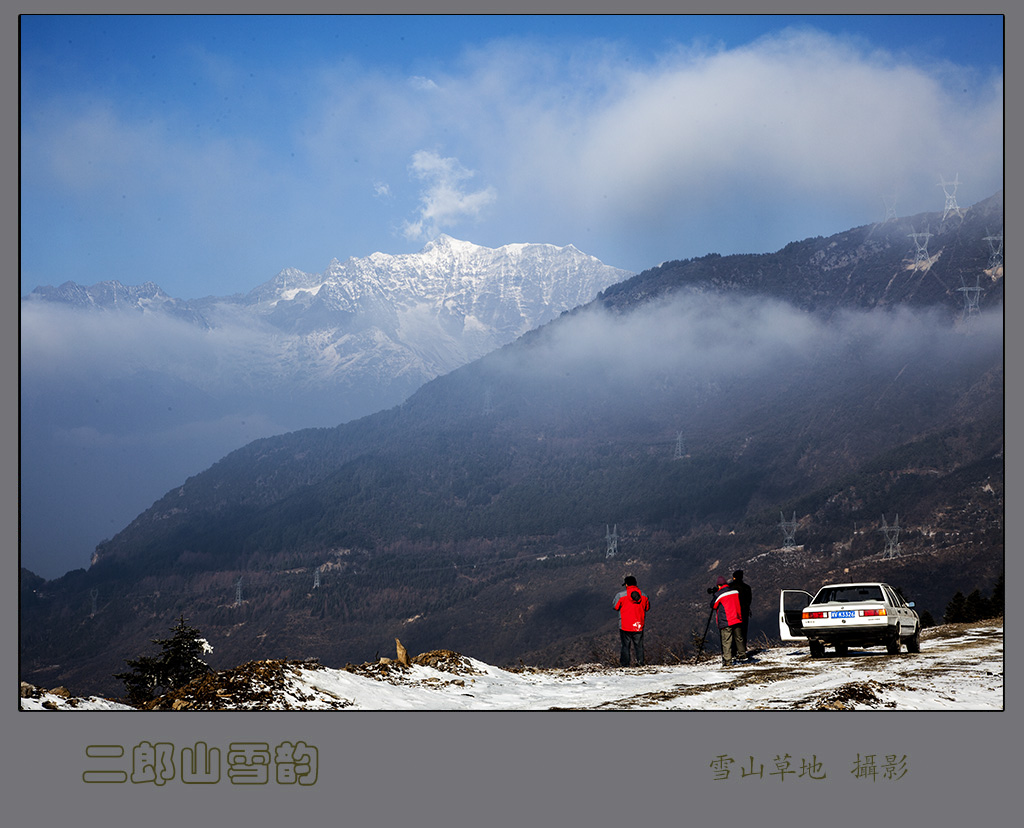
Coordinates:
(634,640)
(734,643)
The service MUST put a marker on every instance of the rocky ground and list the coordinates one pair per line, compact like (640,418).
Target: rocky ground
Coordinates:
(960,667)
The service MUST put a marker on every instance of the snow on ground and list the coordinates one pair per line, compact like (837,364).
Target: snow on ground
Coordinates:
(960,667)
(56,701)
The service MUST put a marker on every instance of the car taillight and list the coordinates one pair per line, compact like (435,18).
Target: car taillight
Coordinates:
(873,612)
(814,614)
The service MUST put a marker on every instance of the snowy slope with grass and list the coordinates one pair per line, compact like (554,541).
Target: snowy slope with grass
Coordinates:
(960,667)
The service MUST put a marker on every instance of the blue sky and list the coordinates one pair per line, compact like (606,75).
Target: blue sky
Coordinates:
(207,153)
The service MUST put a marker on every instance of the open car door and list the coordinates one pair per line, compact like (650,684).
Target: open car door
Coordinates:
(791,605)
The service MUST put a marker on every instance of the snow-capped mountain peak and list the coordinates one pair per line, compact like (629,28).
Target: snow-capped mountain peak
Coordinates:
(504,291)
(368,328)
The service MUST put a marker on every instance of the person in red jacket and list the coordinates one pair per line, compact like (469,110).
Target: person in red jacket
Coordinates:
(632,606)
(729,616)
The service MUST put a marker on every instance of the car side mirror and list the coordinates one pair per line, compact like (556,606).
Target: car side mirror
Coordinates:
(910,603)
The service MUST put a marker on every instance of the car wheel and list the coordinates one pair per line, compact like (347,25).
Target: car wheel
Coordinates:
(842,649)
(817,649)
(892,644)
(913,642)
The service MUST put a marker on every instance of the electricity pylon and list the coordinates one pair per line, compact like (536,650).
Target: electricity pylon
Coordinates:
(788,528)
(611,537)
(892,534)
(951,205)
(921,245)
(972,296)
(995,259)
(890,208)
(680,451)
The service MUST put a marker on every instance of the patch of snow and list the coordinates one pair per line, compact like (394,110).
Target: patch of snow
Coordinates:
(957,669)
(51,701)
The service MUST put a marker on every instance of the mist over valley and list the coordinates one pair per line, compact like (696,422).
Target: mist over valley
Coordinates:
(127,391)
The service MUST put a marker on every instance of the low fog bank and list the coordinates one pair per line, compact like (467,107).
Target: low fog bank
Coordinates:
(117,410)
(704,340)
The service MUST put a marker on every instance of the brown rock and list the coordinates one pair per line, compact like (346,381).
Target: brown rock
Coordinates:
(403,655)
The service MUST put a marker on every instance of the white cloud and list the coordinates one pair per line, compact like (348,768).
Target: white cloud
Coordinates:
(702,150)
(697,150)
(796,117)
(443,202)
(421,83)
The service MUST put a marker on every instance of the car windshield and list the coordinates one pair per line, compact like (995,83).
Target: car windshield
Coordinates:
(848,594)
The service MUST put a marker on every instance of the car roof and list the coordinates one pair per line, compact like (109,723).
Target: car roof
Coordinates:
(853,584)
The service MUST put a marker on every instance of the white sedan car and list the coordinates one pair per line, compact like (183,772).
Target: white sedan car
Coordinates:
(845,615)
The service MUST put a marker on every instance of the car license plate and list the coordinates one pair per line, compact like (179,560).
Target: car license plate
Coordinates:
(844,614)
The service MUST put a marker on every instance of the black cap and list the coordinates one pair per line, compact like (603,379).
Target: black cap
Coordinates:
(630,581)
(738,574)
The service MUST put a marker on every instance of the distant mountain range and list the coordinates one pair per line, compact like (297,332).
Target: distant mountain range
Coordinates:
(126,390)
(382,324)
(666,429)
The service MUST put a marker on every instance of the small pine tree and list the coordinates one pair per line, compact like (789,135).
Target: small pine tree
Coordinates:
(998,596)
(976,607)
(142,681)
(955,612)
(177,664)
